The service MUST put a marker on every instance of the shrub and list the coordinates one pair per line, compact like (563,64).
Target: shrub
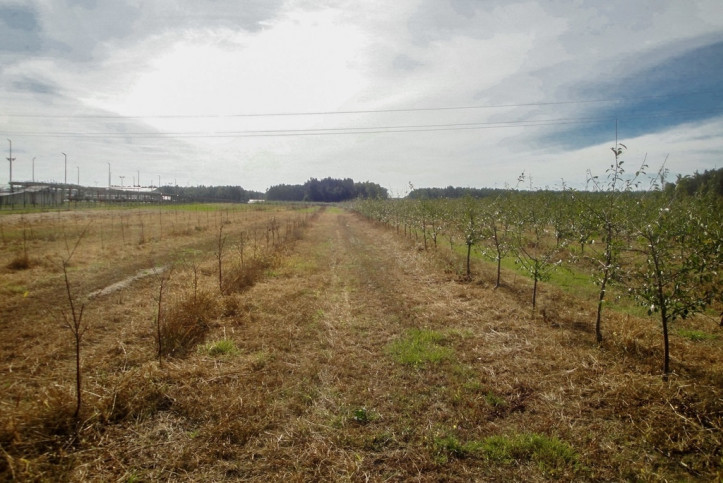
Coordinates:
(245,276)
(20,262)
(135,395)
(185,324)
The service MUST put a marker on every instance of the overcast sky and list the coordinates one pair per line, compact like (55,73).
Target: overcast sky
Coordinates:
(427,92)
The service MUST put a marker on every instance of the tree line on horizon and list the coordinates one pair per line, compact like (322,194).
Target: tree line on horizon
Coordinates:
(707,182)
(328,190)
(335,190)
(200,194)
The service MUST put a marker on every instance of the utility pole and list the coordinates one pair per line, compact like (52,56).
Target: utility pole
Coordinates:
(108,174)
(122,178)
(66,167)
(11,159)
(139,177)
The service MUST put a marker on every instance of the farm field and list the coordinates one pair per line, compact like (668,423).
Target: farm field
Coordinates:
(332,348)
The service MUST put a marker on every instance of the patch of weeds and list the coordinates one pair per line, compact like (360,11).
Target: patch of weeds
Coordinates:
(381,441)
(495,401)
(472,385)
(449,446)
(260,359)
(223,347)
(461,333)
(16,289)
(231,305)
(552,455)
(695,335)
(363,415)
(242,277)
(185,324)
(20,262)
(133,478)
(420,346)
(304,265)
(136,396)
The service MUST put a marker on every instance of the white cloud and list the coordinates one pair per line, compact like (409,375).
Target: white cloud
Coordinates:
(153,60)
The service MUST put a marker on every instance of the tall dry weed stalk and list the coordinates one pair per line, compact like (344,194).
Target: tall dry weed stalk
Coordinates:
(221,241)
(159,317)
(22,260)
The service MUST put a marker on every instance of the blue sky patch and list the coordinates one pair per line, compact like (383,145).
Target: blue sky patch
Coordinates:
(684,88)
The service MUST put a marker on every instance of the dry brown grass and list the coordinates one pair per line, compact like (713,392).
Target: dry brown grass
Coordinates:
(20,262)
(315,392)
(185,323)
(241,277)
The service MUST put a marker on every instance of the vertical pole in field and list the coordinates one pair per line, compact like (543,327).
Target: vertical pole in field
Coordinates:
(11,159)
(65,182)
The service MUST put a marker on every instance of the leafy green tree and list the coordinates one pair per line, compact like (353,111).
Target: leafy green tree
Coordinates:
(496,231)
(439,211)
(470,226)
(235,194)
(607,211)
(680,249)
(327,190)
(710,181)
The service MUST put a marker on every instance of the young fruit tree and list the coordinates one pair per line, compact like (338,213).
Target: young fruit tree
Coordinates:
(496,231)
(73,320)
(535,249)
(470,226)
(606,211)
(680,258)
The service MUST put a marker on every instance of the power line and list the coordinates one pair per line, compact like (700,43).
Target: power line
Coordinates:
(362,111)
(362,129)
(341,130)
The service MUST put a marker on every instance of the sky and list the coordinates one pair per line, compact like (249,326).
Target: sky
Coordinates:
(422,93)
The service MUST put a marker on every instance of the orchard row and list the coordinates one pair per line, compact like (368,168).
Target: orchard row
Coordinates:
(662,249)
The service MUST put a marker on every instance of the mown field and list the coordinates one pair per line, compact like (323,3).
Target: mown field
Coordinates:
(326,347)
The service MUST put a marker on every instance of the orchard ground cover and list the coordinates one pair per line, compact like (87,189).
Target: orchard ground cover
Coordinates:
(353,355)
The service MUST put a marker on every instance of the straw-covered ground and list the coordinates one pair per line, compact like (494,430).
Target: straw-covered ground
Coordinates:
(337,351)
